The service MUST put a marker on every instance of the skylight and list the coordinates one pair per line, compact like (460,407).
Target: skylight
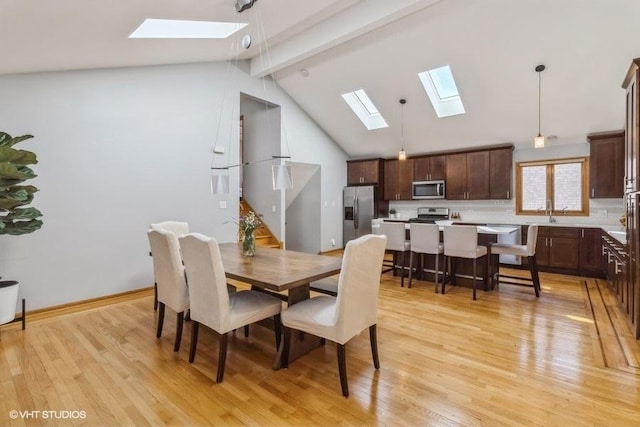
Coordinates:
(365,109)
(174,29)
(442,91)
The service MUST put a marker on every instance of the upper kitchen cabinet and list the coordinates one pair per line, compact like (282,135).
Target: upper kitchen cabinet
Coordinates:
(500,173)
(606,165)
(364,172)
(632,125)
(398,178)
(430,168)
(467,176)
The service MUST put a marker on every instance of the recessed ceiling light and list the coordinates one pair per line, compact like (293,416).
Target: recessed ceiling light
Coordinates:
(175,29)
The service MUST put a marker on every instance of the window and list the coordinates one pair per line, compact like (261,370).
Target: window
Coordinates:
(556,185)
(176,29)
(442,91)
(364,108)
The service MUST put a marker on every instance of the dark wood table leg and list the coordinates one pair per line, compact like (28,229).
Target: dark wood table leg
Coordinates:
(301,343)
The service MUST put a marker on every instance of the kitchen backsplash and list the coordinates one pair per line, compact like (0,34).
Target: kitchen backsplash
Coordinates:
(602,211)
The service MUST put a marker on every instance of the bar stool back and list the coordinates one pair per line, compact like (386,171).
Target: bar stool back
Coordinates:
(529,251)
(461,241)
(425,239)
(396,242)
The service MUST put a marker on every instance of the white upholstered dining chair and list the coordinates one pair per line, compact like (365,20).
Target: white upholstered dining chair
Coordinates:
(178,228)
(461,241)
(211,303)
(170,280)
(354,309)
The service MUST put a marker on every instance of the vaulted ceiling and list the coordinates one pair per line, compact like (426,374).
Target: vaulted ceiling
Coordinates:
(319,49)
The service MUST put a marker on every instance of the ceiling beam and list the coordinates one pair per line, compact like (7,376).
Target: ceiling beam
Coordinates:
(359,19)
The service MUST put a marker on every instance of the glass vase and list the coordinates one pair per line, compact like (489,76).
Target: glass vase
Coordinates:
(249,242)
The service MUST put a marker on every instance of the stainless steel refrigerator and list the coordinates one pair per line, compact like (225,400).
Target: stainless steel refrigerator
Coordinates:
(360,207)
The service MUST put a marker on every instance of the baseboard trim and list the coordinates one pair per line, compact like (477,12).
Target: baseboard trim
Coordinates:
(83,305)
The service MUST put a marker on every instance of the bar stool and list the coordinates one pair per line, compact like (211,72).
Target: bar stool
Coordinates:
(461,241)
(387,264)
(425,239)
(529,251)
(396,242)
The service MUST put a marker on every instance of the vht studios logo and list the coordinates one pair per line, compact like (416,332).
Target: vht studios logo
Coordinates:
(48,415)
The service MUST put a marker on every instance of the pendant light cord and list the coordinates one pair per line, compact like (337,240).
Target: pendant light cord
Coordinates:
(539,100)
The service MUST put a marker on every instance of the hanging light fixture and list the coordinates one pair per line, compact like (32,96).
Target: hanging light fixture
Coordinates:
(402,155)
(538,141)
(281,172)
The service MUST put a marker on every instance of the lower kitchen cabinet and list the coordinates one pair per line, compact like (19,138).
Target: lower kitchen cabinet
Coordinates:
(569,250)
(591,250)
(558,247)
(615,259)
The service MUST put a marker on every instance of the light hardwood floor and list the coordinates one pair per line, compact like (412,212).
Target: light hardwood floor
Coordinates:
(505,359)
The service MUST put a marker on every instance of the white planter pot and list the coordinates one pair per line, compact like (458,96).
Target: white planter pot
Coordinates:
(8,301)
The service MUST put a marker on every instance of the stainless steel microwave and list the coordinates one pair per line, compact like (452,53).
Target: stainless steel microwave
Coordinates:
(428,189)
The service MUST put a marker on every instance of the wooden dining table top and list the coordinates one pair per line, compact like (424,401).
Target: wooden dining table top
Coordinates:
(276,269)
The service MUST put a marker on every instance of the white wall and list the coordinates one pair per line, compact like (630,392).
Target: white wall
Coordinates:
(302,212)
(122,148)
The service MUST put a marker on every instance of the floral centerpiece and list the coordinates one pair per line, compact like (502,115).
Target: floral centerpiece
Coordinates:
(248,225)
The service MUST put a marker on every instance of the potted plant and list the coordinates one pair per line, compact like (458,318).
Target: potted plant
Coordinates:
(392,213)
(15,218)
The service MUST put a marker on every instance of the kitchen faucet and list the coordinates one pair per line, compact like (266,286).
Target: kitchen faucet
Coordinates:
(550,211)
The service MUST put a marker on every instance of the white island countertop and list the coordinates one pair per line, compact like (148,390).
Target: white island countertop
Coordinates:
(482,229)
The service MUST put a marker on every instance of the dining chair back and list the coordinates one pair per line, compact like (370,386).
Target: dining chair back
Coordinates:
(528,251)
(170,279)
(212,305)
(354,309)
(461,241)
(425,239)
(178,228)
(397,243)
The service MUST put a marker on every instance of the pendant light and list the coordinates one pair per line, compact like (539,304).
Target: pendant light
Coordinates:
(538,141)
(281,175)
(402,155)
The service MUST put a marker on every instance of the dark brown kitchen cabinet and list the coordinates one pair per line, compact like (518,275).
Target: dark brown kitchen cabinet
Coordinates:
(591,250)
(430,168)
(467,176)
(606,165)
(631,85)
(558,247)
(456,176)
(398,178)
(364,172)
(500,172)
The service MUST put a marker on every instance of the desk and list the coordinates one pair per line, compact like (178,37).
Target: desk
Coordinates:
(279,270)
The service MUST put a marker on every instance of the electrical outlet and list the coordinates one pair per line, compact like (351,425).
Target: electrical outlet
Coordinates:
(222,204)
(333,243)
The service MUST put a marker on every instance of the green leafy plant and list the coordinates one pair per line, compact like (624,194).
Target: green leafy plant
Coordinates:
(15,218)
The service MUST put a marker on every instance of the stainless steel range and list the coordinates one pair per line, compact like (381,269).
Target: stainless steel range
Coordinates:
(430,215)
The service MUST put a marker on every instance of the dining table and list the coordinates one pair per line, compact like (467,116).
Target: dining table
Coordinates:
(285,274)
